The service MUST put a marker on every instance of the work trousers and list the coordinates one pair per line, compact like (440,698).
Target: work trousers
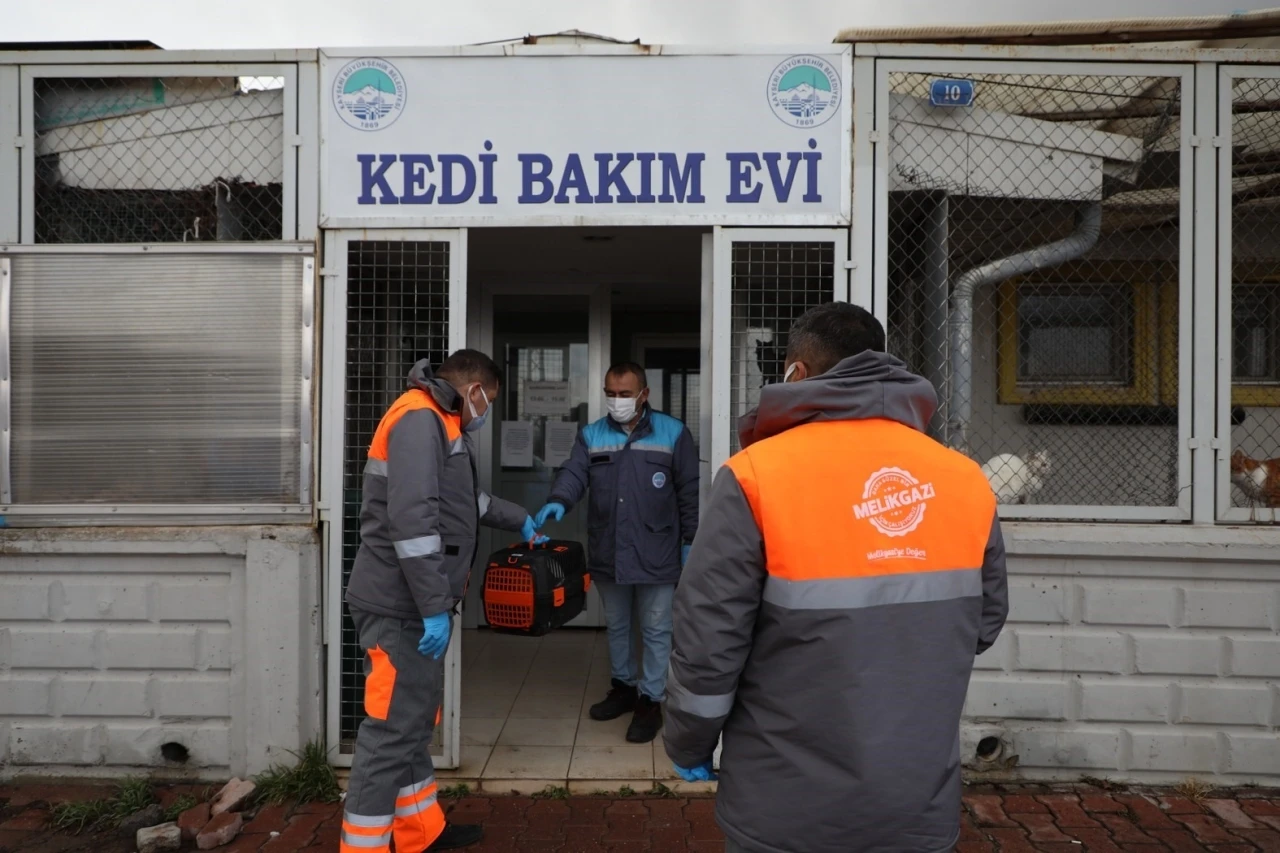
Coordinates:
(392,788)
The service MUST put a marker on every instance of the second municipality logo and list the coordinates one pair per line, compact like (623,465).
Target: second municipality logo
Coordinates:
(804,91)
(369,94)
(893,501)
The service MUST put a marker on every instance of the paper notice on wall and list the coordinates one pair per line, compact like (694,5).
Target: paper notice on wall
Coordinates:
(517,444)
(560,438)
(546,398)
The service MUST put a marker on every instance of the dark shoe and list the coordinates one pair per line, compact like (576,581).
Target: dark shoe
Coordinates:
(621,700)
(645,724)
(457,836)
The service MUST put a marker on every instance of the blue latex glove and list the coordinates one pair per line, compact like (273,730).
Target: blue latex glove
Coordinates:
(435,635)
(701,773)
(529,532)
(684,554)
(551,509)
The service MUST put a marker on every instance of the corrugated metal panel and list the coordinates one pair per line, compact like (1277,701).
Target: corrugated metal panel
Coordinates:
(152,379)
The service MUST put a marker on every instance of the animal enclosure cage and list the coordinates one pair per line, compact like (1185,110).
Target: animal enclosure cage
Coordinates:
(1035,277)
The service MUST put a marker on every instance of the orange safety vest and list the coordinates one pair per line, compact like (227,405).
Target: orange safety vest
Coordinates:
(864,499)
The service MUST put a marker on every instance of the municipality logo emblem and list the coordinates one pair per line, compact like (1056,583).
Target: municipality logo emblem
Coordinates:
(804,91)
(659,480)
(369,94)
(893,501)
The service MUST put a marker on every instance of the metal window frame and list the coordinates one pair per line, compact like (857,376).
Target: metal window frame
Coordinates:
(1218,449)
(722,420)
(967,61)
(332,426)
(73,514)
(10,152)
(290,138)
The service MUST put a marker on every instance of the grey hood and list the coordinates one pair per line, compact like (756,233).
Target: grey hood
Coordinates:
(868,385)
(422,377)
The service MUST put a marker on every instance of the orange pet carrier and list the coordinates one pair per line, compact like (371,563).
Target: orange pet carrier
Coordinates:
(532,590)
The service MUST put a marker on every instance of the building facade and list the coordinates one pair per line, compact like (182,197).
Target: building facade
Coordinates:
(216,269)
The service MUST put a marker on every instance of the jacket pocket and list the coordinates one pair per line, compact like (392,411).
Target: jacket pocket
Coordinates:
(661,551)
(602,480)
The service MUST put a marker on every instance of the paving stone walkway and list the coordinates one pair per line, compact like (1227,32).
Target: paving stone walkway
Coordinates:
(1063,819)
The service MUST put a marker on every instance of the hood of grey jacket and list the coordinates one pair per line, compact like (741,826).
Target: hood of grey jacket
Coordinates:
(422,376)
(868,385)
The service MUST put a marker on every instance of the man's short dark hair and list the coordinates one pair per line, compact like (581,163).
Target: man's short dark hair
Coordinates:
(468,365)
(623,368)
(828,334)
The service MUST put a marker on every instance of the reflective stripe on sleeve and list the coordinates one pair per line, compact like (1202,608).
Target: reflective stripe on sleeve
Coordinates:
(377,467)
(707,706)
(423,546)
(876,591)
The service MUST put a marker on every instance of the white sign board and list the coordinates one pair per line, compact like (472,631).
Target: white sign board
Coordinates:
(546,398)
(682,137)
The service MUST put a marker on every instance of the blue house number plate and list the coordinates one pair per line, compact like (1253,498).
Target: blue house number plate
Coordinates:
(951,93)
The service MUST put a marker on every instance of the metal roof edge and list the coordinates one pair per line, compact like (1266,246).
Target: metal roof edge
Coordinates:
(1263,22)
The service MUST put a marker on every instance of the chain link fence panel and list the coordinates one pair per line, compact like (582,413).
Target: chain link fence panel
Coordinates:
(1255,295)
(1033,278)
(158,160)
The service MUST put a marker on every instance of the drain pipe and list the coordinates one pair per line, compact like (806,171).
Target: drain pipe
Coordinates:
(1084,238)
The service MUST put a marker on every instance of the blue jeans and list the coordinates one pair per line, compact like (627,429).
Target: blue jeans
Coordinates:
(654,602)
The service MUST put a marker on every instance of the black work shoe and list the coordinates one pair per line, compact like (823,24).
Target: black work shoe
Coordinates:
(645,724)
(621,700)
(457,836)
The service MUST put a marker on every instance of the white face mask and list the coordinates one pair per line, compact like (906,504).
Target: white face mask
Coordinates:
(477,420)
(621,409)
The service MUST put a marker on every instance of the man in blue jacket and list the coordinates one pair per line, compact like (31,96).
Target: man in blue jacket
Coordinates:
(641,470)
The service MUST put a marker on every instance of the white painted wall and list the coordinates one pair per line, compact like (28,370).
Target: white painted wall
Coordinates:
(1140,652)
(115,641)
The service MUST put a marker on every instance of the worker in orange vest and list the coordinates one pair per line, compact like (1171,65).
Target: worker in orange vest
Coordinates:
(419,524)
(846,571)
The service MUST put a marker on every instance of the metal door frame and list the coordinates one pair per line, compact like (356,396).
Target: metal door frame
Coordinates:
(333,390)
(1219,126)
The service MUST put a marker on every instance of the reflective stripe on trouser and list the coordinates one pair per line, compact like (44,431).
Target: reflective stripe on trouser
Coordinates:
(392,789)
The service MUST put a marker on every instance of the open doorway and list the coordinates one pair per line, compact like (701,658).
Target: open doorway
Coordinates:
(555,307)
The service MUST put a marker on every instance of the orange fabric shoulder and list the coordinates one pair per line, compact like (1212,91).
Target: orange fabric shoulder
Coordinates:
(411,400)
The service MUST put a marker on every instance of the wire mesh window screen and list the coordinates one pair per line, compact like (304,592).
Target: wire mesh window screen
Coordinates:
(397,313)
(158,160)
(156,379)
(1255,293)
(1033,278)
(771,285)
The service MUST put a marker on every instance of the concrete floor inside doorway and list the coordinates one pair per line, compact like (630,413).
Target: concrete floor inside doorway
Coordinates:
(525,725)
